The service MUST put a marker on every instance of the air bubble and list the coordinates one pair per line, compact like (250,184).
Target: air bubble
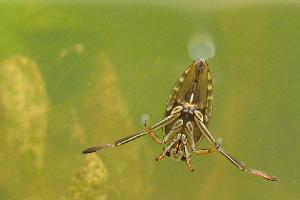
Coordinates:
(201,46)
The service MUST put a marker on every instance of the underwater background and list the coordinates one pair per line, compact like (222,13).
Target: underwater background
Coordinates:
(74,74)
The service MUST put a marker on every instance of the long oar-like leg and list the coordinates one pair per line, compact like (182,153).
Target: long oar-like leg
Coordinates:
(176,112)
(199,121)
(190,131)
(115,143)
(244,167)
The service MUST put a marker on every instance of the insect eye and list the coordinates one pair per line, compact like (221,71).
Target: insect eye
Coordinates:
(200,61)
(199,64)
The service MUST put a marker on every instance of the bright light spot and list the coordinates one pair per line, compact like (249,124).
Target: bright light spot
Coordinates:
(144,119)
(201,46)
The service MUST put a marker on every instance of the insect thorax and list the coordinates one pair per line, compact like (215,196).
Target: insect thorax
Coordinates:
(187,120)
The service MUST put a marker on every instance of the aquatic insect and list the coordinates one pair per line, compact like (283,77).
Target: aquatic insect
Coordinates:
(187,113)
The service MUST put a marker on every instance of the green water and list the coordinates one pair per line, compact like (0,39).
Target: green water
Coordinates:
(75,75)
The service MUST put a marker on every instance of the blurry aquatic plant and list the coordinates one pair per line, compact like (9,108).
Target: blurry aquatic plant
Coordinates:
(24,109)
(201,46)
(89,181)
(108,112)
(78,132)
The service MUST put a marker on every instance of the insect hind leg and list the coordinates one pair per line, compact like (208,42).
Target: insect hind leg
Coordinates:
(116,143)
(243,167)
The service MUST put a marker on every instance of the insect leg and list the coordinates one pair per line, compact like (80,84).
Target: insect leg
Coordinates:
(167,149)
(244,167)
(176,112)
(198,118)
(199,121)
(174,130)
(187,152)
(190,133)
(193,146)
(236,162)
(153,136)
(201,152)
(115,143)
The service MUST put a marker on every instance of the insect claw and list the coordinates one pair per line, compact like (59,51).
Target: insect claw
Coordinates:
(161,156)
(189,164)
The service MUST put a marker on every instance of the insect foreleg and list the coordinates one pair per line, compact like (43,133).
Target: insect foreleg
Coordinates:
(244,167)
(176,112)
(116,143)
(167,149)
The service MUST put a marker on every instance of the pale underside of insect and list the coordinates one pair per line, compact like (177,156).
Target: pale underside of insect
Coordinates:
(188,111)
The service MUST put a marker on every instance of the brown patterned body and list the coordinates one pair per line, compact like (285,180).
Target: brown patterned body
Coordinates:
(196,79)
(187,114)
(192,92)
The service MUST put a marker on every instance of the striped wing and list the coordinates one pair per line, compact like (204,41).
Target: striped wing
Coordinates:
(186,83)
